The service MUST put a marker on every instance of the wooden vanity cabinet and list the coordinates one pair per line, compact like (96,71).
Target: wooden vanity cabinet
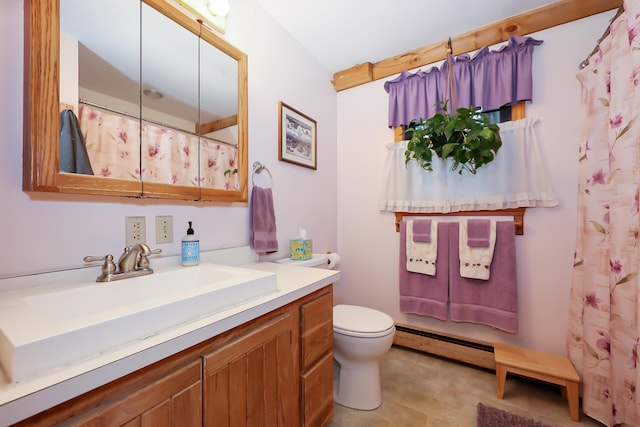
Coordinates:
(276,370)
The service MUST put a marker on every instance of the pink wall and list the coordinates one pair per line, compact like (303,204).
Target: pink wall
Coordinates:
(41,232)
(367,239)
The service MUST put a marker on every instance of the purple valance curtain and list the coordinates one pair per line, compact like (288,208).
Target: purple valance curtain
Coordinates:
(491,79)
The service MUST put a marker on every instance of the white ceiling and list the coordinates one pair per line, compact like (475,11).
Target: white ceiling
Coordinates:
(343,33)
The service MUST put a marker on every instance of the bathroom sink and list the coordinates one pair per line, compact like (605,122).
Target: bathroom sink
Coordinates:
(53,328)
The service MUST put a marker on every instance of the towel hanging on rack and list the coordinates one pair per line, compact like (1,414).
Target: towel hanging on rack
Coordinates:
(421,255)
(262,218)
(492,302)
(73,149)
(475,261)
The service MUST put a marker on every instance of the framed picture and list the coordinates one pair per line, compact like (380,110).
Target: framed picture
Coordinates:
(297,137)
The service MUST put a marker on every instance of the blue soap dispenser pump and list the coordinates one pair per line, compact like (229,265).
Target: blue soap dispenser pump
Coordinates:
(190,248)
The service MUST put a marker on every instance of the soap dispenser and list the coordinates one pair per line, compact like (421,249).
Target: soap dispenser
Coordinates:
(190,248)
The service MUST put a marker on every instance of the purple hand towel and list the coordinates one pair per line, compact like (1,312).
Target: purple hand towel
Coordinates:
(478,231)
(420,293)
(262,221)
(422,230)
(492,302)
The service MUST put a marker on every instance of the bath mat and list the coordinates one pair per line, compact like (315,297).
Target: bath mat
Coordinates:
(494,417)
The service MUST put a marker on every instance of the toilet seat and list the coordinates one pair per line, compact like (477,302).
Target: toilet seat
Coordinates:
(356,321)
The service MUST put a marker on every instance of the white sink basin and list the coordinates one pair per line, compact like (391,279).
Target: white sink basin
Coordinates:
(53,328)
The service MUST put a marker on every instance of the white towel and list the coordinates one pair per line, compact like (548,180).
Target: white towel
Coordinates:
(421,256)
(475,263)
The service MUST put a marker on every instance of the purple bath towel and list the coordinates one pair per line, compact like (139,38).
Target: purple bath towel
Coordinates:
(262,221)
(420,293)
(422,230)
(492,302)
(478,231)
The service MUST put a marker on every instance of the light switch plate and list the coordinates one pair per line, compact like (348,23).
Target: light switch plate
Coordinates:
(164,229)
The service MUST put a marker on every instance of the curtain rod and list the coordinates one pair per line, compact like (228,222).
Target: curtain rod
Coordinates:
(604,35)
(131,116)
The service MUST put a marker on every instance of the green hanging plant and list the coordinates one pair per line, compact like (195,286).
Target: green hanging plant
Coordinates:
(466,137)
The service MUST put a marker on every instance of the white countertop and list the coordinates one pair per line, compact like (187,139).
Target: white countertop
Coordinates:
(20,400)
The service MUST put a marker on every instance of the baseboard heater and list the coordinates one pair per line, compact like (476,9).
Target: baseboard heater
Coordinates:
(465,350)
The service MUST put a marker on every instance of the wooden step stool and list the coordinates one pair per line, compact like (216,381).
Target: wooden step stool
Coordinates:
(546,367)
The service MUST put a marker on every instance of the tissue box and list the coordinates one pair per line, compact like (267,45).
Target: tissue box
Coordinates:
(300,249)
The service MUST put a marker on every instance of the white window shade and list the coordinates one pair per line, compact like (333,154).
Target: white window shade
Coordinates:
(516,178)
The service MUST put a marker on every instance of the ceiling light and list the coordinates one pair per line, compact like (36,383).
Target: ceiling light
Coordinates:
(154,94)
(218,7)
(212,11)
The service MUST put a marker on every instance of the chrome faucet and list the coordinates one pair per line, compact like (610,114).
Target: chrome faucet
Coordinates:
(133,262)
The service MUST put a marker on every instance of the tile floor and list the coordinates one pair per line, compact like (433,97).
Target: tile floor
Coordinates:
(425,391)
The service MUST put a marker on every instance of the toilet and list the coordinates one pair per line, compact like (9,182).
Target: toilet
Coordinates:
(361,336)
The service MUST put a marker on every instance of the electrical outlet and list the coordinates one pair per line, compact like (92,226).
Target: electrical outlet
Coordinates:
(164,229)
(136,230)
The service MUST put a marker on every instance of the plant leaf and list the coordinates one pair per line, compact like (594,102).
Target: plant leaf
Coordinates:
(466,137)
(447,149)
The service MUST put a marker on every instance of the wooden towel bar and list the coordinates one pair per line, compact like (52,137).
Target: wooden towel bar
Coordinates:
(517,213)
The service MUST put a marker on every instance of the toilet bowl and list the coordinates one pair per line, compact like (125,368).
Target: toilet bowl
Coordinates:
(361,336)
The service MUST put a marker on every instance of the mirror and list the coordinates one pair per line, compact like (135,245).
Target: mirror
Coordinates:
(100,84)
(189,143)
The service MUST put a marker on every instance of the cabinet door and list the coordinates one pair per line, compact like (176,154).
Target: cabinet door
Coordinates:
(317,393)
(175,400)
(252,380)
(316,329)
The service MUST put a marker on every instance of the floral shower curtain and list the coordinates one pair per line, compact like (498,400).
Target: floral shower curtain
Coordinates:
(603,333)
(165,155)
(113,143)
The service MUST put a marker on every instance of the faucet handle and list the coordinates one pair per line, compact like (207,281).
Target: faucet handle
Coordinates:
(91,258)
(143,262)
(108,268)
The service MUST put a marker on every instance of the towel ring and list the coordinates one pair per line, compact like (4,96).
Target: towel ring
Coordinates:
(258,168)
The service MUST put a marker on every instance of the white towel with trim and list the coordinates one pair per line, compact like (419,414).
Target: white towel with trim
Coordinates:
(475,263)
(421,256)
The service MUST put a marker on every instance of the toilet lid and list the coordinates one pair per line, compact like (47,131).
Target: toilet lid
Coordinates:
(356,320)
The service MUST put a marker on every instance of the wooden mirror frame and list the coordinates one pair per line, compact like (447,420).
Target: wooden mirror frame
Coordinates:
(41,152)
